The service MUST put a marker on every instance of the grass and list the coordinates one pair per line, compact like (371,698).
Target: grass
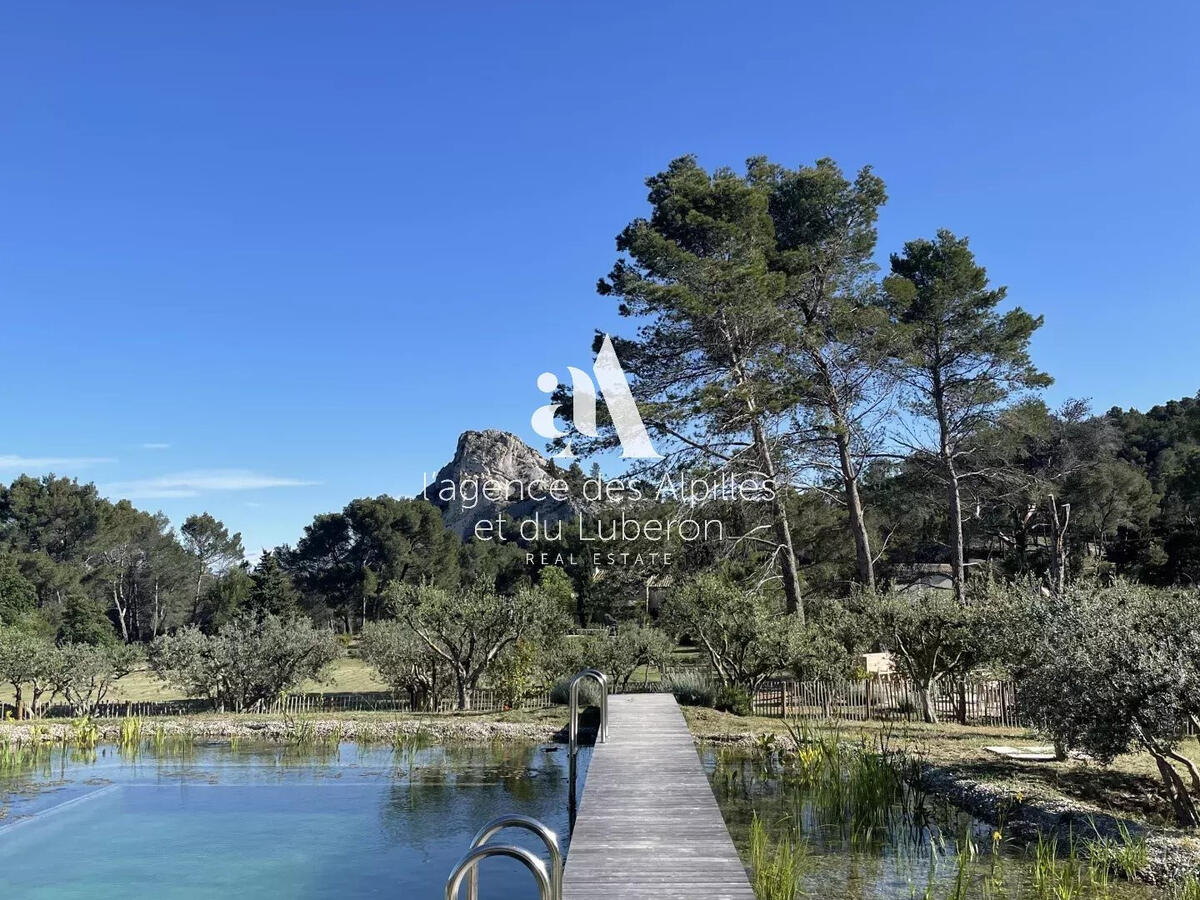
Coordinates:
(347,674)
(776,866)
(1126,853)
(1129,787)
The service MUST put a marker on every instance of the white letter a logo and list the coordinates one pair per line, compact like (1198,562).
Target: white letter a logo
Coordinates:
(614,387)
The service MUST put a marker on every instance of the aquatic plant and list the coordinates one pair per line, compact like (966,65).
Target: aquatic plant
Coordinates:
(85,733)
(18,757)
(854,796)
(1075,876)
(1125,853)
(129,739)
(854,783)
(300,732)
(775,866)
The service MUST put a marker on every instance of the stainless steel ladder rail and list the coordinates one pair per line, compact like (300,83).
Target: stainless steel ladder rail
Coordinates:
(516,820)
(476,855)
(573,728)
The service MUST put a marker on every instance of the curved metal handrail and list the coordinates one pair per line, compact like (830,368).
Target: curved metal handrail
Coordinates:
(515,820)
(603,679)
(476,855)
(573,727)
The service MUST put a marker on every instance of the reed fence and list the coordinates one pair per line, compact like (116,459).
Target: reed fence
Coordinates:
(879,698)
(890,698)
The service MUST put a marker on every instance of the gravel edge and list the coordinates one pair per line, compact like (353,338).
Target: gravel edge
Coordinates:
(281,730)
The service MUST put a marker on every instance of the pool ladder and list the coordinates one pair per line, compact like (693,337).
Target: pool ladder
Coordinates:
(602,680)
(549,882)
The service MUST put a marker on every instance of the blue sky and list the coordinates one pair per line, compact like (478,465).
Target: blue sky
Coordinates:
(261,261)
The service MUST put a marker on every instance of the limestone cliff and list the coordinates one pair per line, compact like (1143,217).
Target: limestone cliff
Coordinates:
(498,458)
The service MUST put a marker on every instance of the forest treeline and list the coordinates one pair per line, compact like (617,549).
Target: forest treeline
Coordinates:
(87,570)
(897,412)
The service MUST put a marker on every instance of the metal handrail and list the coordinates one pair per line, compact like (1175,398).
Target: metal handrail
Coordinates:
(603,680)
(476,855)
(573,727)
(515,820)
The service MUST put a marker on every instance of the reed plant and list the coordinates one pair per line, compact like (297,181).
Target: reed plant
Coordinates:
(85,733)
(1126,853)
(776,866)
(129,738)
(1188,889)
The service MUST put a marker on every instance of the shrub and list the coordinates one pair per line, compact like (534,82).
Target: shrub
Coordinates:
(733,699)
(406,663)
(248,661)
(516,672)
(692,688)
(747,639)
(88,672)
(589,692)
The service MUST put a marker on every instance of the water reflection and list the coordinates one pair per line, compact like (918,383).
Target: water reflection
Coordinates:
(270,820)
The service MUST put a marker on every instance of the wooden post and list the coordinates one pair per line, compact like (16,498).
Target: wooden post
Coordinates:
(962,700)
(867,699)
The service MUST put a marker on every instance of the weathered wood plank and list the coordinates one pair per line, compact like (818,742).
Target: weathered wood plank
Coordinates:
(648,823)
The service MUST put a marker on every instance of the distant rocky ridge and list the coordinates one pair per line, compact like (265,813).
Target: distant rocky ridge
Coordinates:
(503,458)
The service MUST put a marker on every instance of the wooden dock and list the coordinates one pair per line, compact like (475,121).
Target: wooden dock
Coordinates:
(648,824)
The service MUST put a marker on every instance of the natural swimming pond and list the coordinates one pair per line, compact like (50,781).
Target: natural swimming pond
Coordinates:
(215,820)
(841,822)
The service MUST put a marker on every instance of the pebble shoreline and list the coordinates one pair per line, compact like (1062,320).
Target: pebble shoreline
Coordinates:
(277,729)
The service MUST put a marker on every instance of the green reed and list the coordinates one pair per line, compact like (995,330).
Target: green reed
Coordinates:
(85,733)
(1126,853)
(129,738)
(1188,889)
(776,866)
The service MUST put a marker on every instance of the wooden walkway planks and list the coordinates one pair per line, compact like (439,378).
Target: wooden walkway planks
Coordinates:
(648,823)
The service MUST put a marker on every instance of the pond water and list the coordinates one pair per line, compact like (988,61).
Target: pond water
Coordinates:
(850,827)
(216,821)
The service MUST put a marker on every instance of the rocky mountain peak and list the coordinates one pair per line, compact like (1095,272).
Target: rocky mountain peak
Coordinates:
(499,458)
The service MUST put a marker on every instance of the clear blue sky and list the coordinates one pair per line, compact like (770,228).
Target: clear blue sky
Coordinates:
(305,248)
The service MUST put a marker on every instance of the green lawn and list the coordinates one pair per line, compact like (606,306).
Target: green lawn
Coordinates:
(346,674)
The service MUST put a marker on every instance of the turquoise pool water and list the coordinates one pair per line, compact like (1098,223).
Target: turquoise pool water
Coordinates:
(226,822)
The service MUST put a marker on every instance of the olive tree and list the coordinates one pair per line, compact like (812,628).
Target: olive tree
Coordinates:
(248,661)
(86,672)
(28,660)
(932,634)
(1111,670)
(622,652)
(745,637)
(470,628)
(405,662)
